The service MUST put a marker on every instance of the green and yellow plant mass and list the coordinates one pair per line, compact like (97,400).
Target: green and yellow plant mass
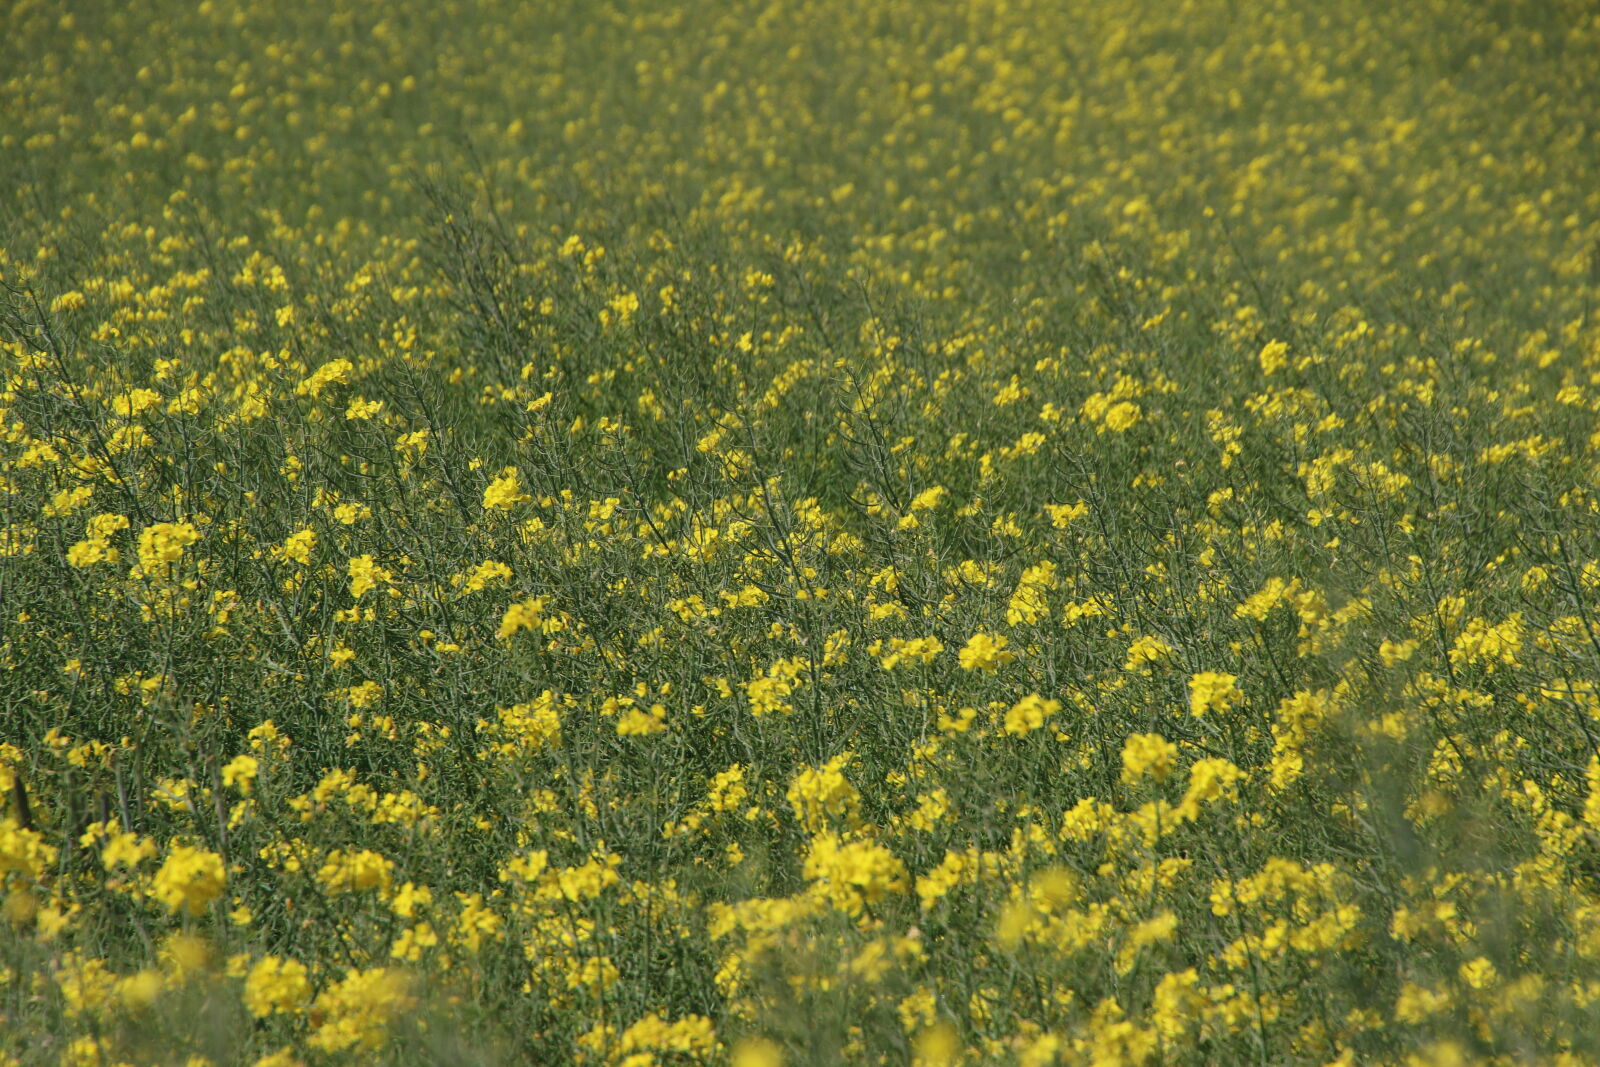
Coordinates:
(783,533)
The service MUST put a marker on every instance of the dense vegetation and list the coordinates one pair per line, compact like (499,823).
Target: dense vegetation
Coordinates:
(800,532)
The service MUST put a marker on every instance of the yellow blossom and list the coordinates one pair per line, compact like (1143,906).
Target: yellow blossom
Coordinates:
(853,875)
(1029,714)
(240,773)
(189,879)
(276,985)
(163,543)
(505,492)
(357,1011)
(985,652)
(1147,755)
(1212,691)
(366,575)
(351,871)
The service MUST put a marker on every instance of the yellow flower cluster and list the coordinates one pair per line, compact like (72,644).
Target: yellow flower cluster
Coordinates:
(189,879)
(1213,691)
(985,652)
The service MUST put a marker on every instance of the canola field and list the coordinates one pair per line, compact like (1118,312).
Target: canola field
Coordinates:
(799,532)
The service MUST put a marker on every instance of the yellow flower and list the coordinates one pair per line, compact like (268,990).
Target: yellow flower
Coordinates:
(88,552)
(364,695)
(240,772)
(590,878)
(985,652)
(757,1052)
(1393,652)
(67,501)
(337,370)
(639,722)
(1064,515)
(488,571)
(1209,779)
(1152,931)
(284,1057)
(820,793)
(1144,651)
(1028,602)
(855,874)
(1213,691)
(365,575)
(1273,357)
(527,615)
(411,943)
(1122,416)
(1147,755)
(141,989)
(84,1052)
(357,1011)
(276,985)
(1483,642)
(770,692)
(691,1036)
(907,650)
(348,872)
(1176,1002)
(127,850)
(505,491)
(163,543)
(1029,713)
(408,898)
(937,1046)
(1478,973)
(190,879)
(299,546)
(135,402)
(475,922)
(361,410)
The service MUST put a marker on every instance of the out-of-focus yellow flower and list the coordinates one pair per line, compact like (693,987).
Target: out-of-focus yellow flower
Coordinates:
(639,722)
(361,409)
(141,989)
(937,1046)
(1122,416)
(524,615)
(337,370)
(240,773)
(756,1052)
(1273,357)
(1144,651)
(24,851)
(819,794)
(1147,756)
(284,1057)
